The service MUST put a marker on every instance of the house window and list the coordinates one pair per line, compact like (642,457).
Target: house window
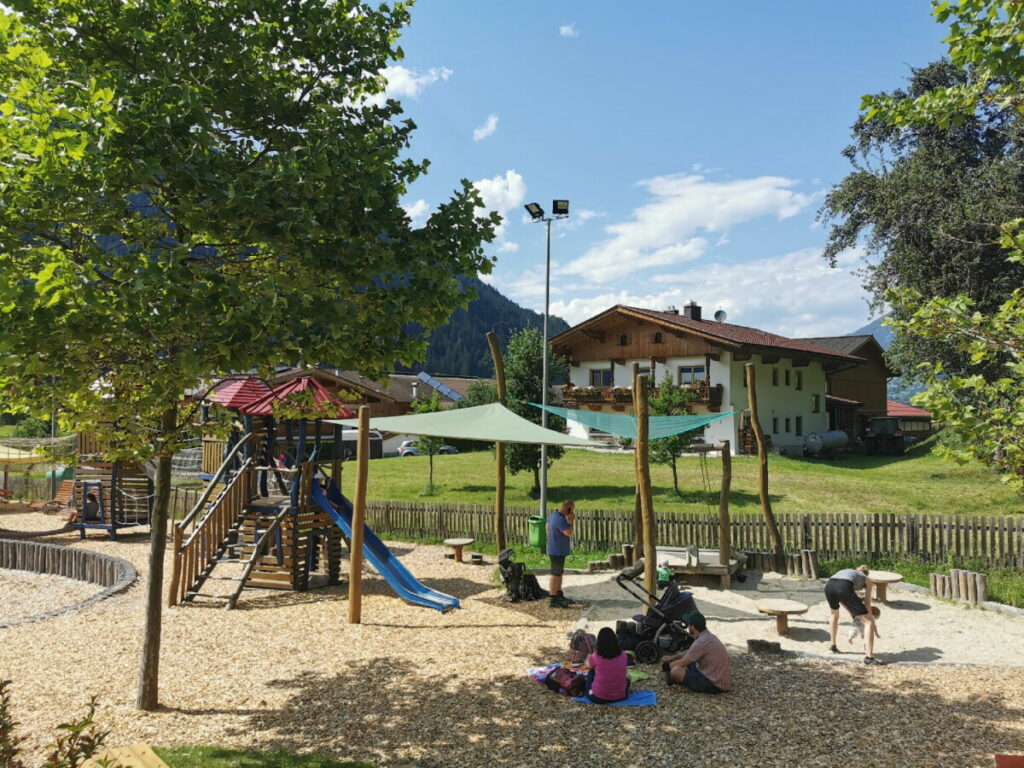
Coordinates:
(775,377)
(658,339)
(623,340)
(787,425)
(775,425)
(601,378)
(691,374)
(787,377)
(799,426)
(815,403)
(799,379)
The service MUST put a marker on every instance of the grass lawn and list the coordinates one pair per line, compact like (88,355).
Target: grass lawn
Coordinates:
(919,482)
(217,757)
(6,430)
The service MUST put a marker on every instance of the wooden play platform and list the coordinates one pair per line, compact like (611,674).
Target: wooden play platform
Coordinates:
(706,563)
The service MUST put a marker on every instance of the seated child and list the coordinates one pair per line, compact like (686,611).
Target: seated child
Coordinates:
(607,681)
(857,628)
(664,574)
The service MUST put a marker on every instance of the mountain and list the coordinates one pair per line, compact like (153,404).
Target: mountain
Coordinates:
(460,347)
(898,388)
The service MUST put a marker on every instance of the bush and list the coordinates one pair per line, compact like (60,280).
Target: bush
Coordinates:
(31,427)
(76,742)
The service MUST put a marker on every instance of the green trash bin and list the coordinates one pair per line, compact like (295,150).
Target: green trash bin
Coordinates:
(62,473)
(535,526)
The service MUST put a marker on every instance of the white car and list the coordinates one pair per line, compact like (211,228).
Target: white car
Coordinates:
(409,448)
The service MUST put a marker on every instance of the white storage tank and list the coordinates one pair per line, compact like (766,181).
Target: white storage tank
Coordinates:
(825,443)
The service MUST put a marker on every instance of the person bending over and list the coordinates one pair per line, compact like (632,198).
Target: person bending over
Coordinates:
(607,681)
(704,666)
(559,538)
(842,589)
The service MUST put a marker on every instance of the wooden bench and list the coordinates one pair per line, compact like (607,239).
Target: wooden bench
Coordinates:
(781,609)
(457,545)
(5,495)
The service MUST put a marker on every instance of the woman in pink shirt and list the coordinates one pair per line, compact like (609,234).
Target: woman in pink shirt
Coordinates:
(606,680)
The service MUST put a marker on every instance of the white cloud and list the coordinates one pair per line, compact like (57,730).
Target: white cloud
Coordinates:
(796,294)
(508,247)
(490,126)
(568,30)
(417,212)
(410,82)
(680,206)
(577,219)
(502,194)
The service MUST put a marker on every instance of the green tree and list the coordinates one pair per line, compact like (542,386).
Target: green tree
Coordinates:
(986,409)
(672,400)
(194,188)
(429,445)
(523,385)
(478,393)
(926,202)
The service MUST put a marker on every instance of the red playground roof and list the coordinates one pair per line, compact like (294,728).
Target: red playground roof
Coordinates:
(238,393)
(331,406)
(902,411)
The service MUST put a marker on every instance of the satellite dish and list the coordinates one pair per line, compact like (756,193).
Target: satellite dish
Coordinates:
(720,315)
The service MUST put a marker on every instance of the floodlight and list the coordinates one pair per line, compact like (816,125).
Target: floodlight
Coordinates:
(559,207)
(535,211)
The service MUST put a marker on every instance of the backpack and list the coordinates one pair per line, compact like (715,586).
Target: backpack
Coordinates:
(581,645)
(562,680)
(520,585)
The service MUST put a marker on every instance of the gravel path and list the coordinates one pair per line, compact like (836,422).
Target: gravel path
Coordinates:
(410,686)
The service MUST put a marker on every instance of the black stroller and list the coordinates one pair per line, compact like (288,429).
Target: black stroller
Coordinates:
(660,631)
(520,585)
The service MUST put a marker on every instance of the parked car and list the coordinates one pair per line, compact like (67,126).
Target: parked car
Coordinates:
(410,448)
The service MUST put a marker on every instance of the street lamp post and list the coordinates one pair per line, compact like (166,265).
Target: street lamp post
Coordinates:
(559,210)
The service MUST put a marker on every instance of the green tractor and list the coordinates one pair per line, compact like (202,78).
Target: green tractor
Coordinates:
(884,437)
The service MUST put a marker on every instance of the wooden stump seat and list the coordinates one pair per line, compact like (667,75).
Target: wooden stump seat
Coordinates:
(781,609)
(457,545)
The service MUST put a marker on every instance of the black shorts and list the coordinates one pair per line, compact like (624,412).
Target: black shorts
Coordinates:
(840,591)
(557,564)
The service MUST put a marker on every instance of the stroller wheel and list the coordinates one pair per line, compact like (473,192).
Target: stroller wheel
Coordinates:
(647,652)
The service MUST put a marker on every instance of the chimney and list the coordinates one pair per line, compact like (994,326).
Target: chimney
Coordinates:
(671,310)
(692,310)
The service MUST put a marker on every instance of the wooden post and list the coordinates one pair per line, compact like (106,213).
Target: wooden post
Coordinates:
(954,583)
(355,573)
(724,533)
(805,563)
(638,517)
(933,583)
(972,588)
(499,448)
(962,578)
(982,587)
(643,480)
(627,554)
(762,467)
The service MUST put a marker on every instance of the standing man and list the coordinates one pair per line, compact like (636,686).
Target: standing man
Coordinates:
(704,666)
(559,538)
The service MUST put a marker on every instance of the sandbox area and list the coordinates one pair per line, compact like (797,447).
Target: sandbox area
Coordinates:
(410,686)
(25,595)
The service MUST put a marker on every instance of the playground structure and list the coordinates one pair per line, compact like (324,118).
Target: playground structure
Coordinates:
(110,496)
(285,539)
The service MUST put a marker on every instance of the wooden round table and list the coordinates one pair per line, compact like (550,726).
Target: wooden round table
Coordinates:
(882,579)
(781,609)
(457,545)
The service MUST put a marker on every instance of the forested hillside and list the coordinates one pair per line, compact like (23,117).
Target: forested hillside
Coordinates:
(460,346)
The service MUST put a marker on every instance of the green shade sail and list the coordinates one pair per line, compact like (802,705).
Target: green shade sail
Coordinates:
(492,423)
(625,426)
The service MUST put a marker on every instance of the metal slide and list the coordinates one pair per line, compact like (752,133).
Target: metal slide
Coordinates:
(381,558)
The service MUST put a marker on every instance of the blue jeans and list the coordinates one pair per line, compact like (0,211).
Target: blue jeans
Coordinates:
(695,680)
(598,699)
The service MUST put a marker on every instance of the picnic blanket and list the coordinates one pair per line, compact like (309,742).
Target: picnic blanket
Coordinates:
(638,698)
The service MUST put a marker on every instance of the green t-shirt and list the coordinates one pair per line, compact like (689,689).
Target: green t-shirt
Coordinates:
(664,574)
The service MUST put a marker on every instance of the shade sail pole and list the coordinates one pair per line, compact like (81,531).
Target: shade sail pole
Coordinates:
(355,560)
(643,479)
(499,448)
(762,467)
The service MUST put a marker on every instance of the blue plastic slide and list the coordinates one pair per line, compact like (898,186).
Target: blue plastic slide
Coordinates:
(381,558)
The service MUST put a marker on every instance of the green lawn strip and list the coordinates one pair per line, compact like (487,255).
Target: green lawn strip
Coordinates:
(532,557)
(219,757)
(919,482)
(1005,585)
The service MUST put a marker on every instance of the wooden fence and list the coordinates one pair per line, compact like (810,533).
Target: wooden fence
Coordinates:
(995,541)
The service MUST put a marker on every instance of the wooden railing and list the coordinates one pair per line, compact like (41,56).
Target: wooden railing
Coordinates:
(200,535)
(706,394)
(997,541)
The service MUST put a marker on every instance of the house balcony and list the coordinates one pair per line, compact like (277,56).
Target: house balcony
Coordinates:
(706,394)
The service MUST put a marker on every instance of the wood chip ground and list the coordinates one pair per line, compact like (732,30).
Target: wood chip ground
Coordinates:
(411,686)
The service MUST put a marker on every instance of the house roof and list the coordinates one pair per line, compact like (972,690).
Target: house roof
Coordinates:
(725,334)
(904,411)
(239,392)
(330,405)
(850,345)
(398,388)
(842,400)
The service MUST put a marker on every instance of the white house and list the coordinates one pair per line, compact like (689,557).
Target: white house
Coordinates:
(709,356)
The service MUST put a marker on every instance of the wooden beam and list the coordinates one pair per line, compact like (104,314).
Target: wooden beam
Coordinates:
(499,448)
(724,537)
(762,458)
(355,560)
(596,335)
(643,479)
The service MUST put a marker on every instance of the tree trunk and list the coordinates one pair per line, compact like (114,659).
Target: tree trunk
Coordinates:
(762,466)
(675,477)
(643,481)
(536,482)
(149,672)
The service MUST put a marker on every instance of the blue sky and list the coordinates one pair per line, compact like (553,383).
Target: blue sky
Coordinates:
(694,141)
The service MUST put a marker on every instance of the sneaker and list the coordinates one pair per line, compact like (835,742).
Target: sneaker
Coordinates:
(833,649)
(872,661)
(558,602)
